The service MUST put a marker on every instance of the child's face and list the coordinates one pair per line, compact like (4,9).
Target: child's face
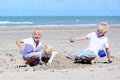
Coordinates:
(100,33)
(36,36)
(47,53)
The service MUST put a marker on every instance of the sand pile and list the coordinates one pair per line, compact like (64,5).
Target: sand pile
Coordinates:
(61,62)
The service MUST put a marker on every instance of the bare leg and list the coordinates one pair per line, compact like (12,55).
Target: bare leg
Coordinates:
(89,60)
(31,60)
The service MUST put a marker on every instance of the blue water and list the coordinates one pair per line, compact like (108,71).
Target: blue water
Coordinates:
(8,21)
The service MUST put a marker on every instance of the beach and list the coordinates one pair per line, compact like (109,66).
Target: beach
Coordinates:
(12,64)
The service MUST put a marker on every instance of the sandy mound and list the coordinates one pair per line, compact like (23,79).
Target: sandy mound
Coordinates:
(60,61)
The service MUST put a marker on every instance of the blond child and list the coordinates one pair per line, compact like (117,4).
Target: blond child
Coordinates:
(97,41)
(47,54)
(32,47)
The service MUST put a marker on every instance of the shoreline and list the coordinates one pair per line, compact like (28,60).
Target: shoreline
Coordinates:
(60,25)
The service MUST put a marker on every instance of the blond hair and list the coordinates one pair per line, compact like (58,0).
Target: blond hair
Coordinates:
(103,27)
(37,30)
(48,49)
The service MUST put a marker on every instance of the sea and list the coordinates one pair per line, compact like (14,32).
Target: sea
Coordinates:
(32,21)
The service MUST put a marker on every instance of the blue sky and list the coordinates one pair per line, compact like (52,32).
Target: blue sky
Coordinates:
(59,7)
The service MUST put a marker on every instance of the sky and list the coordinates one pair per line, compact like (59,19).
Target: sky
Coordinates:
(59,7)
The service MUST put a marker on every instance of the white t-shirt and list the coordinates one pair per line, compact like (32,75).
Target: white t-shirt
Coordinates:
(50,56)
(30,46)
(96,43)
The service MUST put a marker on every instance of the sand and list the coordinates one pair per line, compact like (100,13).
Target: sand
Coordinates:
(12,64)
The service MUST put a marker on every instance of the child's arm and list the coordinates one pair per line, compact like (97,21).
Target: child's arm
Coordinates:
(19,43)
(108,55)
(52,56)
(42,63)
(78,38)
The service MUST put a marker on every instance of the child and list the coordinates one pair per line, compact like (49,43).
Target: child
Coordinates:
(97,41)
(47,55)
(32,47)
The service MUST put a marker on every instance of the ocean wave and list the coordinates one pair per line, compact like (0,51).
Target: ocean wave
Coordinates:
(9,22)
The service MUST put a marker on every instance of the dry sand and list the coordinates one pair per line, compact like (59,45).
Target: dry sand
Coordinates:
(62,69)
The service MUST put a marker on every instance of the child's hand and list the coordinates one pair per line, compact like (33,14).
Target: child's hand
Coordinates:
(71,40)
(21,50)
(110,60)
(43,65)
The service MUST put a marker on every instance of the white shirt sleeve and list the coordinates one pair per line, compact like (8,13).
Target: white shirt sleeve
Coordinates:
(90,34)
(106,43)
(51,57)
(27,40)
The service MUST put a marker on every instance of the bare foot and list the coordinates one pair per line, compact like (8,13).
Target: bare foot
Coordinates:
(27,65)
(93,62)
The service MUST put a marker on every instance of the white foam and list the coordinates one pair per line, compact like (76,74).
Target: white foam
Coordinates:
(9,22)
